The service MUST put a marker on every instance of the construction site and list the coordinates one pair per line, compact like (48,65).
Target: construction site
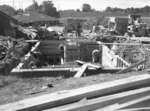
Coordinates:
(53,64)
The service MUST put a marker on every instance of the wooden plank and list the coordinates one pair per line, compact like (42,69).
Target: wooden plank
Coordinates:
(36,46)
(89,64)
(64,97)
(143,39)
(101,102)
(145,103)
(136,109)
(80,62)
(133,44)
(146,39)
(44,70)
(132,66)
(81,71)
(108,108)
(94,66)
(121,106)
(31,41)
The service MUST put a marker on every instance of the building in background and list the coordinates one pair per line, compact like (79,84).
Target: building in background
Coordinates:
(36,19)
(7,25)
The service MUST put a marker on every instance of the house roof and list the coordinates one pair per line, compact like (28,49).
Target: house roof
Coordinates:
(34,17)
(8,17)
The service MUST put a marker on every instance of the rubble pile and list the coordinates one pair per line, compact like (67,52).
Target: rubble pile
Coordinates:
(12,51)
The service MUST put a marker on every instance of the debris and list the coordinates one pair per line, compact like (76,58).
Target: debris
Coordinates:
(50,85)
(27,56)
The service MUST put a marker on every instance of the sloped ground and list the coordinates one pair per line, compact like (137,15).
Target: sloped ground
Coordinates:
(13,88)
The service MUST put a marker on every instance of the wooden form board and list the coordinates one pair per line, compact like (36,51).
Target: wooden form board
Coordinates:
(68,96)
(93,104)
(44,70)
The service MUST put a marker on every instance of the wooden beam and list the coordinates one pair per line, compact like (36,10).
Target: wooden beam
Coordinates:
(36,46)
(101,102)
(81,71)
(45,70)
(132,66)
(31,41)
(64,97)
(80,62)
(89,64)
(127,104)
(134,44)
(145,39)
(26,57)
(136,109)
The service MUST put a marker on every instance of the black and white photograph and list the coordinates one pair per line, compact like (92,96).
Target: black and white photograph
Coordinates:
(74,55)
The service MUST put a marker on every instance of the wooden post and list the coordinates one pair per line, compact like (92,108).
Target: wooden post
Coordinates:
(65,54)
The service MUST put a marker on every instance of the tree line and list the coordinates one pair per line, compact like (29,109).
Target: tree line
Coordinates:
(143,10)
(47,7)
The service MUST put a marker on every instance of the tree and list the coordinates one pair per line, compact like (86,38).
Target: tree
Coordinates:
(47,7)
(109,9)
(86,8)
(78,10)
(33,8)
(146,9)
(8,10)
(19,11)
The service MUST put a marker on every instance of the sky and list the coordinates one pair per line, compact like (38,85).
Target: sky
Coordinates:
(77,4)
